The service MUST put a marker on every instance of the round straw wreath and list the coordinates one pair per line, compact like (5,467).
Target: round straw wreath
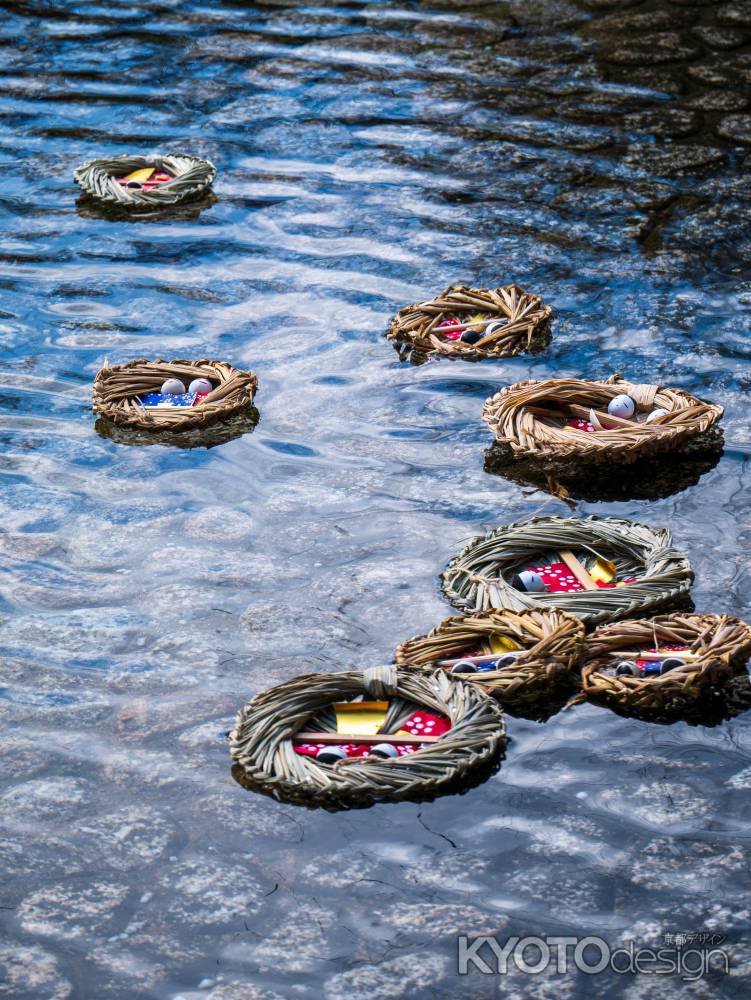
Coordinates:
(479,576)
(261,743)
(526,323)
(551,641)
(117,391)
(529,419)
(191,177)
(723,645)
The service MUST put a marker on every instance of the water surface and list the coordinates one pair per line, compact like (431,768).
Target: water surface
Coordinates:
(369,154)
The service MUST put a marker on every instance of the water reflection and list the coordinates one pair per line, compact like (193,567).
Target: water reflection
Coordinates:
(368,153)
(90,208)
(196,437)
(652,478)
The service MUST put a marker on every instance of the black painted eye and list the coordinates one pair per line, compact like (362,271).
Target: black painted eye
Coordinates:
(472,336)
(670,663)
(507,660)
(464,667)
(627,668)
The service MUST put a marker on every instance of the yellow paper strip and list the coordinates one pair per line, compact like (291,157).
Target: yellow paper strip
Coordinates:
(603,571)
(502,644)
(141,175)
(362,717)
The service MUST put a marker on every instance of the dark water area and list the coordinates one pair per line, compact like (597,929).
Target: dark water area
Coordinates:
(369,154)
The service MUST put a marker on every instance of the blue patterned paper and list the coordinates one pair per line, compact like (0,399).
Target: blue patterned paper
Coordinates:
(157,399)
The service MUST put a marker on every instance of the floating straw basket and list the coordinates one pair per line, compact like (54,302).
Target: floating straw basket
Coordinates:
(528,418)
(191,178)
(551,641)
(479,576)
(723,645)
(117,390)
(526,319)
(261,742)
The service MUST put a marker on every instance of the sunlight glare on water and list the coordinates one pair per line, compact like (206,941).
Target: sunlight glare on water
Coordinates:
(368,155)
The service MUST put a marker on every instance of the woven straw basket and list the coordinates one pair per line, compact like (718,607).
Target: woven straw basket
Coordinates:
(551,641)
(117,390)
(261,742)
(479,576)
(529,418)
(526,318)
(191,178)
(723,645)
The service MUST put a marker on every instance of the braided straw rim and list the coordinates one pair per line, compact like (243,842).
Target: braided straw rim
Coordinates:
(474,579)
(261,742)
(117,388)
(551,639)
(192,176)
(530,435)
(724,645)
(528,327)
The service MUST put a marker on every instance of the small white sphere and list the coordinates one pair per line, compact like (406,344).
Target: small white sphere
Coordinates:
(622,406)
(531,582)
(200,385)
(384,750)
(659,412)
(172,387)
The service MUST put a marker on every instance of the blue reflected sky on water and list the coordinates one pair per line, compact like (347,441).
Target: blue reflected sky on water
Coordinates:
(369,154)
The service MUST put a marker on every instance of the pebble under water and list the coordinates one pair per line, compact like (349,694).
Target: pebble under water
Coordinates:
(369,154)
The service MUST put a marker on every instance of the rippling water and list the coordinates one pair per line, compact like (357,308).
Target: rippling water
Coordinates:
(369,154)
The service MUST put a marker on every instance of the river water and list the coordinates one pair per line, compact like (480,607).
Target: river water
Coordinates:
(369,154)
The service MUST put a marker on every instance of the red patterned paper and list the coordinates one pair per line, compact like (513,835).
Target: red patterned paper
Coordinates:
(581,425)
(559,579)
(351,749)
(449,321)
(419,724)
(665,648)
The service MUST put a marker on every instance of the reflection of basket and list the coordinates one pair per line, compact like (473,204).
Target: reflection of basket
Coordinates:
(525,319)
(651,478)
(530,419)
(262,740)
(550,640)
(194,437)
(723,645)
(191,176)
(479,576)
(117,391)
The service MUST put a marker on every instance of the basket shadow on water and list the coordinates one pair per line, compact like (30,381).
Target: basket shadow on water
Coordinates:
(652,478)
(195,437)
(262,747)
(88,207)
